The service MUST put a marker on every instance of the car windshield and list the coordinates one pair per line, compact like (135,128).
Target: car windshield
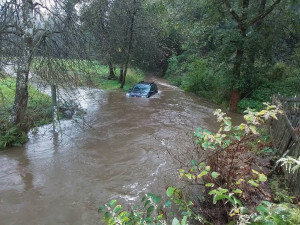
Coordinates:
(141,88)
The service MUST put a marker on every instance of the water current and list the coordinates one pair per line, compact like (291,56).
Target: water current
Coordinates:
(119,151)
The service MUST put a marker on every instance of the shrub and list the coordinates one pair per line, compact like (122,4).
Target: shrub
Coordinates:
(269,213)
(13,136)
(280,79)
(197,79)
(250,103)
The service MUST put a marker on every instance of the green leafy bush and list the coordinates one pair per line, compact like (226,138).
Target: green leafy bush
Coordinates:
(250,103)
(176,70)
(280,79)
(13,136)
(198,77)
(279,214)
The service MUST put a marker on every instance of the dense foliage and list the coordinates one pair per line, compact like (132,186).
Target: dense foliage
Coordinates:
(248,46)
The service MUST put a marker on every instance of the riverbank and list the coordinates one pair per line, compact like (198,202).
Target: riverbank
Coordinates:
(39,111)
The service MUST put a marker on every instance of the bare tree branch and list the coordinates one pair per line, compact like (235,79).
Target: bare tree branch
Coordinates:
(264,13)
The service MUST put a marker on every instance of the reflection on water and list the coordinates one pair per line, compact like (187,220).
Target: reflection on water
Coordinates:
(118,150)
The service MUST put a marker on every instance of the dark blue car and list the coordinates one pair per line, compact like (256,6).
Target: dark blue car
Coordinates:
(143,90)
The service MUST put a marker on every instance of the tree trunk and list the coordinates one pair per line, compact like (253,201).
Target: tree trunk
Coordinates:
(121,74)
(129,43)
(236,72)
(21,97)
(112,75)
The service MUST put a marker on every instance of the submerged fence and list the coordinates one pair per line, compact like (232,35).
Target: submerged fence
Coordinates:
(286,135)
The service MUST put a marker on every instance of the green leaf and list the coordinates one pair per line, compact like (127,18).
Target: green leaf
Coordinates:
(160,216)
(156,199)
(242,126)
(212,192)
(214,174)
(150,209)
(170,191)
(201,165)
(253,183)
(239,181)
(227,128)
(117,208)
(184,220)
(168,203)
(175,221)
(101,208)
(262,177)
(267,203)
(203,173)
(209,185)
(253,129)
(263,209)
(147,203)
(189,176)
(238,191)
(205,145)
(207,168)
(123,215)
(219,197)
(237,201)
(112,203)
(194,163)
(106,217)
(194,168)
(227,122)
(149,220)
(111,221)
(186,213)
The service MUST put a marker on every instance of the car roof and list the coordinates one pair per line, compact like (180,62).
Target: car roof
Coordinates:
(143,82)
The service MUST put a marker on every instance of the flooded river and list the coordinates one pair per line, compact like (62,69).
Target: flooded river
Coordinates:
(119,151)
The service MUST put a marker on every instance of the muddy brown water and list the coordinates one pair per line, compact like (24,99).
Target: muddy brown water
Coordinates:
(118,152)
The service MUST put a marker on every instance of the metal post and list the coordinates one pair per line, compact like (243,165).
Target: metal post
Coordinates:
(54,108)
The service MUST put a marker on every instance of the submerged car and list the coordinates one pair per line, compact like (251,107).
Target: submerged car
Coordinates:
(143,89)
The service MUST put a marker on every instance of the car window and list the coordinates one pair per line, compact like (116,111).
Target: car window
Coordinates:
(141,87)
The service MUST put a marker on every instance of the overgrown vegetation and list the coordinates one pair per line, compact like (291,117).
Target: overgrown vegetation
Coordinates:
(232,181)
(207,79)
